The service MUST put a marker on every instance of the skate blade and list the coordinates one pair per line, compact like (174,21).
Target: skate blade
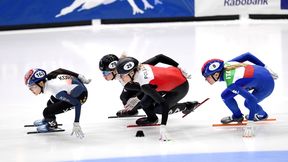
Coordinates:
(241,124)
(51,131)
(146,125)
(132,116)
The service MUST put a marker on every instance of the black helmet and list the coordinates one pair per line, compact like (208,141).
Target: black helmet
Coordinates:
(126,65)
(108,62)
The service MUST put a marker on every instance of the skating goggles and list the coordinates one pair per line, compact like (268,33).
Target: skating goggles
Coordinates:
(106,73)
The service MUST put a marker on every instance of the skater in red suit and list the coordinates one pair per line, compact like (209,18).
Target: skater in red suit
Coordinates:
(163,87)
(131,94)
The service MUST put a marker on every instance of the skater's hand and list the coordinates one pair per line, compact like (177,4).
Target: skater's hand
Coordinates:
(77,130)
(164,136)
(184,73)
(83,79)
(131,103)
(249,129)
(273,74)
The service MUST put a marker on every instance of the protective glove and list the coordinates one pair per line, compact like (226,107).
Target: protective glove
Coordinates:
(249,129)
(131,103)
(273,74)
(184,72)
(77,130)
(164,136)
(83,79)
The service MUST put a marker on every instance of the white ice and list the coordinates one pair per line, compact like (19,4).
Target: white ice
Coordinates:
(191,44)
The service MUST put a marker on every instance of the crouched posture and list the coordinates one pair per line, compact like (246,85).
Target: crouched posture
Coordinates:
(67,91)
(131,93)
(163,87)
(254,82)
(129,98)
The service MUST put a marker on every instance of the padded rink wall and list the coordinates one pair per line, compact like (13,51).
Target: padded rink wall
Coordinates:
(30,14)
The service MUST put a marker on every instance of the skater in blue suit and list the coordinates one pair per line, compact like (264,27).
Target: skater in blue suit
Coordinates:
(253,81)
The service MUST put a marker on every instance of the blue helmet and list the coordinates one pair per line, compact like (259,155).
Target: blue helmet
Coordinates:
(212,66)
(35,76)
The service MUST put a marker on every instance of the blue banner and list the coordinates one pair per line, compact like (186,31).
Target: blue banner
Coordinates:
(284,4)
(19,12)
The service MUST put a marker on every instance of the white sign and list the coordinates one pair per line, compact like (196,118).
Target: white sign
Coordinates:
(237,7)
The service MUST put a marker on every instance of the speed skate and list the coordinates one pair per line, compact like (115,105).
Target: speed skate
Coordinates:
(244,122)
(50,131)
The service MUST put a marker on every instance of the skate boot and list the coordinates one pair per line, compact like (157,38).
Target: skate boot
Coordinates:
(126,113)
(229,119)
(146,121)
(190,106)
(40,122)
(258,117)
(50,125)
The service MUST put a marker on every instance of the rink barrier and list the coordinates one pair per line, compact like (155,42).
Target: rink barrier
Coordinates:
(48,25)
(172,19)
(268,16)
(38,14)
(118,21)
(141,20)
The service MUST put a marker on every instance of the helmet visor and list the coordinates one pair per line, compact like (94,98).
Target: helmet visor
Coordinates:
(106,73)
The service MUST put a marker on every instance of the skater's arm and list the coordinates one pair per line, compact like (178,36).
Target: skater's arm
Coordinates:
(132,86)
(54,73)
(64,96)
(165,113)
(150,91)
(161,59)
(248,57)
